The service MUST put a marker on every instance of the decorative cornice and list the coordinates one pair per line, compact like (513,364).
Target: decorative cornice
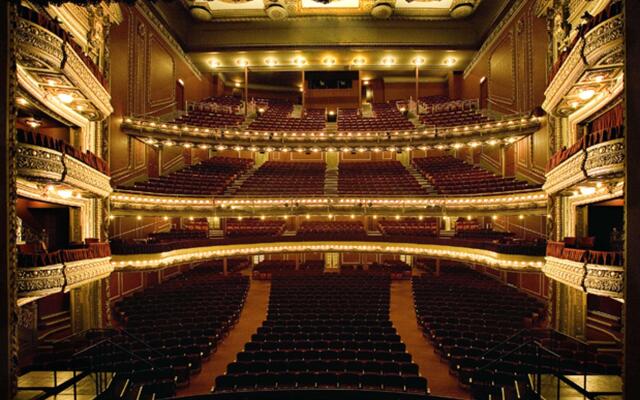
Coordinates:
(79,273)
(160,27)
(495,34)
(601,280)
(462,254)
(569,272)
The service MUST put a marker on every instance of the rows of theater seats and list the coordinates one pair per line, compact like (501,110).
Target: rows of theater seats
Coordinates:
(42,140)
(277,117)
(453,117)
(229,104)
(582,250)
(266,268)
(451,175)
(253,227)
(209,119)
(324,332)
(409,227)
(332,229)
(608,126)
(276,178)
(210,177)
(387,178)
(183,319)
(473,320)
(36,254)
(177,234)
(435,99)
(386,117)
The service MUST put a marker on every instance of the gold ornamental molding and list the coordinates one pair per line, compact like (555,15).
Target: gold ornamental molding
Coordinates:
(39,44)
(51,166)
(78,273)
(603,160)
(602,43)
(127,203)
(37,282)
(601,280)
(505,130)
(141,262)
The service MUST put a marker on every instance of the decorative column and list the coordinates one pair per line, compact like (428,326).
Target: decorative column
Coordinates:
(631,312)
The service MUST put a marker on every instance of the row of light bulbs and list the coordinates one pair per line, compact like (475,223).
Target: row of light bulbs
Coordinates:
(397,217)
(329,61)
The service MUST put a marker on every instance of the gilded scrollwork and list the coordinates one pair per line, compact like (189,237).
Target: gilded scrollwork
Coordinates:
(566,271)
(40,281)
(604,280)
(80,272)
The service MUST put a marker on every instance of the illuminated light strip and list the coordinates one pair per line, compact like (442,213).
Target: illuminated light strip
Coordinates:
(182,256)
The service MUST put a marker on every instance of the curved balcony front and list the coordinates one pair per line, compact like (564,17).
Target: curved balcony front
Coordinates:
(130,202)
(598,162)
(485,253)
(508,130)
(49,166)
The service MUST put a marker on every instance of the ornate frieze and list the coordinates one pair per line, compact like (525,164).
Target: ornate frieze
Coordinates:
(43,164)
(45,46)
(602,280)
(78,273)
(600,160)
(40,281)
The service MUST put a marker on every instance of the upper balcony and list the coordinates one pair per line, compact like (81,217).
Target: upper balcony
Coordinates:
(596,156)
(592,271)
(41,273)
(51,63)
(592,64)
(53,162)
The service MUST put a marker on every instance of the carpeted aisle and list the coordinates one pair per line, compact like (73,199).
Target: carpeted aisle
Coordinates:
(253,313)
(403,316)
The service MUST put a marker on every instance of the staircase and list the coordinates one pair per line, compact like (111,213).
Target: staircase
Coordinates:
(331,182)
(55,326)
(424,183)
(237,183)
(297,111)
(367,110)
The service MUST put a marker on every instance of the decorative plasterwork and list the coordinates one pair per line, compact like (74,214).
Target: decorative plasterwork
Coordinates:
(601,280)
(45,46)
(78,273)
(463,254)
(598,161)
(40,281)
(50,166)
(159,26)
(508,130)
(600,42)
(123,203)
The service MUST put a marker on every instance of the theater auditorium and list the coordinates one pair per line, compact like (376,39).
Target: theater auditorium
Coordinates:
(320,199)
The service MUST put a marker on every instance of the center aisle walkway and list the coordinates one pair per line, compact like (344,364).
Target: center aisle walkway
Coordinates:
(252,316)
(404,319)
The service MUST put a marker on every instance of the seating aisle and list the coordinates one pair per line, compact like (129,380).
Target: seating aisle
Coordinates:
(253,313)
(401,313)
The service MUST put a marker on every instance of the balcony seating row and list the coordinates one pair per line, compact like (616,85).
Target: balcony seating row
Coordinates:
(42,140)
(36,254)
(221,104)
(210,177)
(275,178)
(209,119)
(376,177)
(608,126)
(453,118)
(450,175)
(196,224)
(177,234)
(309,343)
(277,117)
(582,251)
(332,229)
(436,99)
(265,269)
(409,227)
(386,117)
(254,227)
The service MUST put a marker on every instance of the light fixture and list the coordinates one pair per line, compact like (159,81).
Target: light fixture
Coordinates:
(270,61)
(586,94)
(329,61)
(494,217)
(33,123)
(66,98)
(365,82)
(242,62)
(237,84)
(187,145)
(586,190)
(138,217)
(22,101)
(299,61)
(52,82)
(112,217)
(168,143)
(165,218)
(332,113)
(307,216)
(520,216)
(358,61)
(598,78)
(388,61)
(418,61)
(80,107)
(449,61)
(203,146)
(64,193)
(214,63)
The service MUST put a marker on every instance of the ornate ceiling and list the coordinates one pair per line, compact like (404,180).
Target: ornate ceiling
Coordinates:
(211,10)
